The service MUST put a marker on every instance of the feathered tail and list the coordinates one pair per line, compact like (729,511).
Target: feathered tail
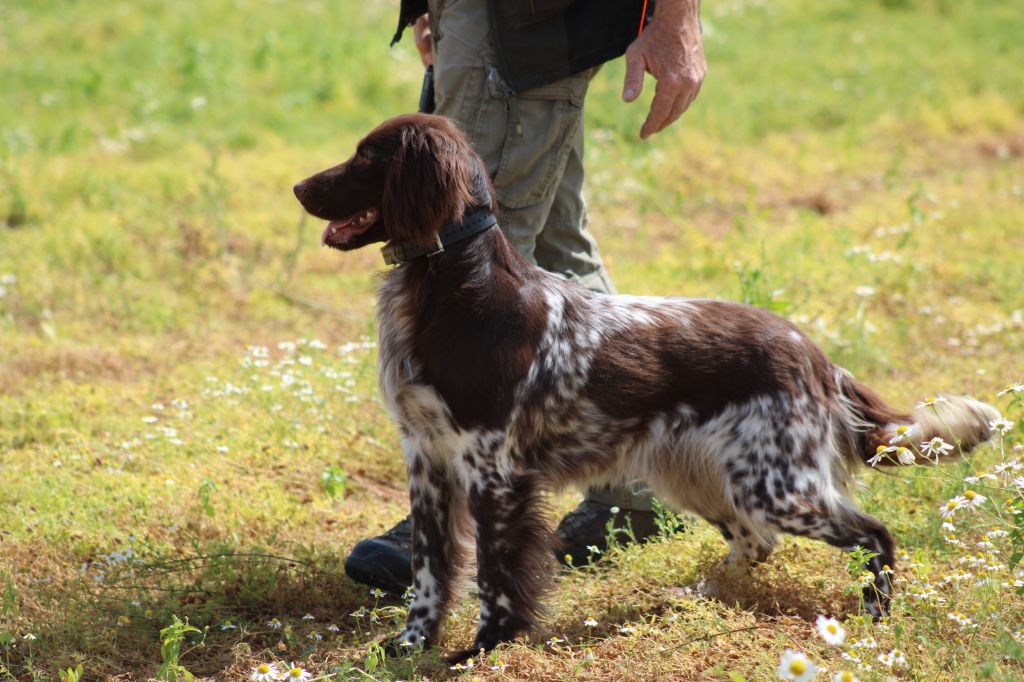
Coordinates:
(878,435)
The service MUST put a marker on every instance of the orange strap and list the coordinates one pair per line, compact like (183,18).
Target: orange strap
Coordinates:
(643,16)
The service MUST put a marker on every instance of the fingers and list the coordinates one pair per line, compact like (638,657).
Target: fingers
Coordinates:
(636,65)
(672,97)
(665,95)
(682,103)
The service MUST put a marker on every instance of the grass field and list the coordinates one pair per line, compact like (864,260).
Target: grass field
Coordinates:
(190,428)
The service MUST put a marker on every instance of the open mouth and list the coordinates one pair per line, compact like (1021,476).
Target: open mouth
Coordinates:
(339,233)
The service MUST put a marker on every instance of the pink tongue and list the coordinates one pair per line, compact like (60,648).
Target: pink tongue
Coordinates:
(333,227)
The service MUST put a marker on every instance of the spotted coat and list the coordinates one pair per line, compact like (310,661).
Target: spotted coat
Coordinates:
(508,382)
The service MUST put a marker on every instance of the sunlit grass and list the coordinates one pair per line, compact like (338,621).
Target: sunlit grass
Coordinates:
(189,421)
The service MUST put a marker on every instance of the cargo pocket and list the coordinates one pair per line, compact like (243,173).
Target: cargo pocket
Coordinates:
(541,124)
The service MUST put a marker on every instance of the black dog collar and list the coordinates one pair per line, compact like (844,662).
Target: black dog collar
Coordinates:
(396,254)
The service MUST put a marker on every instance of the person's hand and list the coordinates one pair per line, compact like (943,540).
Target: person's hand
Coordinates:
(670,49)
(421,35)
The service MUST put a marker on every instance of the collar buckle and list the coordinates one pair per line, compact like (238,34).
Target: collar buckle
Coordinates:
(438,247)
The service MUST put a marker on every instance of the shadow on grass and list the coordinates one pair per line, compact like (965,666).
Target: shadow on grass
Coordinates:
(248,604)
(790,583)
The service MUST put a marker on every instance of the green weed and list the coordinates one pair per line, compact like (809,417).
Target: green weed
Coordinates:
(171,638)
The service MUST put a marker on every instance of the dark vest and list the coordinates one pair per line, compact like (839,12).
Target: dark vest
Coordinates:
(542,41)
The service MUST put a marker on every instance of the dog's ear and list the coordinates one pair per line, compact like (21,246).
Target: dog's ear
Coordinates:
(429,184)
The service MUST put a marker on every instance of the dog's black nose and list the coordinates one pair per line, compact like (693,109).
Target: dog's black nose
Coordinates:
(299,189)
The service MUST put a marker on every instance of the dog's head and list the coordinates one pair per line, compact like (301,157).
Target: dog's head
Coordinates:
(408,178)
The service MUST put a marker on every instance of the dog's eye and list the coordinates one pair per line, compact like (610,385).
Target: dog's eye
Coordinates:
(365,156)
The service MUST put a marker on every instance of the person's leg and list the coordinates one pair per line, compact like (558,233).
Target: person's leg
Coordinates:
(565,245)
(532,144)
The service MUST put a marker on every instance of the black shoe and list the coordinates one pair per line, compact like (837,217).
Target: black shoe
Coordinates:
(384,562)
(584,531)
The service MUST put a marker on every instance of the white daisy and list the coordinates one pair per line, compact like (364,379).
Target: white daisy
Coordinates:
(936,447)
(973,499)
(265,672)
(930,402)
(274,624)
(845,676)
(831,631)
(893,658)
(901,435)
(1013,388)
(950,507)
(1003,426)
(1008,467)
(881,452)
(296,674)
(795,666)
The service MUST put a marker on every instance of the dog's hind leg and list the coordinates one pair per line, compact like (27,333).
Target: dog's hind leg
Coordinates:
(746,544)
(848,529)
(437,505)
(513,544)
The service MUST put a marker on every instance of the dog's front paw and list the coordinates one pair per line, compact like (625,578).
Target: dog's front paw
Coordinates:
(486,640)
(404,643)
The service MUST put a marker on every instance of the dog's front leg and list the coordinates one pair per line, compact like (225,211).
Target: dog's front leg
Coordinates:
(513,544)
(436,548)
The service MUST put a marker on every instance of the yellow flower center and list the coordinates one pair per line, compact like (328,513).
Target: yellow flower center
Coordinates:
(901,429)
(797,666)
(970,494)
(263,669)
(880,449)
(951,504)
(832,628)
(846,676)
(295,672)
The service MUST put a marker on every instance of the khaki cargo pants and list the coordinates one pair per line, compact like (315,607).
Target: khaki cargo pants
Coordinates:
(532,145)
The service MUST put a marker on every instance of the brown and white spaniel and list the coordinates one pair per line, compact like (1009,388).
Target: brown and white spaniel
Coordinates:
(508,381)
